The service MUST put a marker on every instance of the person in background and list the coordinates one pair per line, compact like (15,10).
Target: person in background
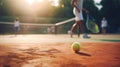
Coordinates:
(16,26)
(104,25)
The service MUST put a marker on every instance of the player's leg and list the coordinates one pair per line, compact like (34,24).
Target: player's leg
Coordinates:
(85,30)
(78,30)
(103,30)
(80,23)
(14,30)
(80,27)
(17,29)
(73,28)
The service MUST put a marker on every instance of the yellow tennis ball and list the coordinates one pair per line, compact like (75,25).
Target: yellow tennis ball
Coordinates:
(76,46)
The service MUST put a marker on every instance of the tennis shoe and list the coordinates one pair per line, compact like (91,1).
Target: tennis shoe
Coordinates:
(86,36)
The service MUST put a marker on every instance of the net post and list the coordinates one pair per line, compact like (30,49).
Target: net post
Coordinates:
(55,26)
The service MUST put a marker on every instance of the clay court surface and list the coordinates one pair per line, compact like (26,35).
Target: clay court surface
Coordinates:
(55,51)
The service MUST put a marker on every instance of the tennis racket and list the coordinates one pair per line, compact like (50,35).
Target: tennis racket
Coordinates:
(91,24)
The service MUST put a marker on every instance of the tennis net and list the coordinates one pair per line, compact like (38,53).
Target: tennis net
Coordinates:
(35,28)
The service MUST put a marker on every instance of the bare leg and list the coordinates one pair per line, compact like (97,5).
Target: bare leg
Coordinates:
(103,30)
(73,28)
(81,26)
(80,23)
(82,29)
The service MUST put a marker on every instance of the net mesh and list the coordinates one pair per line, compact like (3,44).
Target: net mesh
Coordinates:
(35,28)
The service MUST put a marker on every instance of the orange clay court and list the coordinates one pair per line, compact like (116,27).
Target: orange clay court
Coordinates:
(55,51)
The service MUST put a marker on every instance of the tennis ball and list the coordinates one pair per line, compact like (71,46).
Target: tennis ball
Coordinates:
(76,46)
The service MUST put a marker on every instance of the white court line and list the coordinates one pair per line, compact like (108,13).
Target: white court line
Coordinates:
(54,38)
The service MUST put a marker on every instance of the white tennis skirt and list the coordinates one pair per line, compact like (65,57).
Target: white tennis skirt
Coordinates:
(78,16)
